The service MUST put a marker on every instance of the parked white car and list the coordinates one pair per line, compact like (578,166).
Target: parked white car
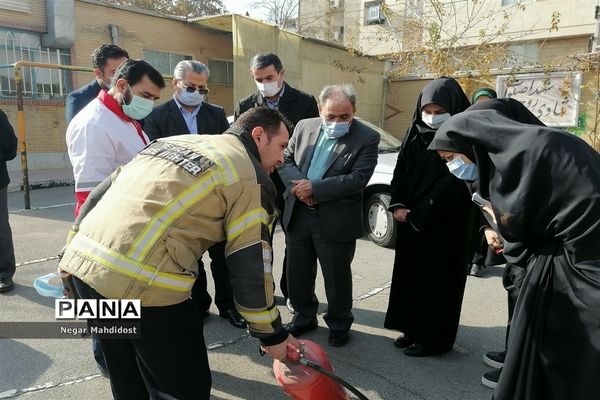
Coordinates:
(378,221)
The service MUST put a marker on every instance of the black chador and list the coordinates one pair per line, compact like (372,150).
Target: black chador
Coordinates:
(544,186)
(430,265)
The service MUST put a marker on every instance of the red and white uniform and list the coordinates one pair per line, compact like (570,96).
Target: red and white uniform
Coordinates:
(100,139)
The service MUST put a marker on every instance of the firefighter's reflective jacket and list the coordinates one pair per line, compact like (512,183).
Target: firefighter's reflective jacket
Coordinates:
(141,232)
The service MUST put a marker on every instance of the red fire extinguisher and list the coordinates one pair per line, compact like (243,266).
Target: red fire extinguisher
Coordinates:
(307,374)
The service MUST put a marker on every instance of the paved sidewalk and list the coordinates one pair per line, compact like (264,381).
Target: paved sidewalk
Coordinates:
(60,369)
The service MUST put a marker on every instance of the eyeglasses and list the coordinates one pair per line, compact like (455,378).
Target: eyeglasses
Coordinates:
(192,89)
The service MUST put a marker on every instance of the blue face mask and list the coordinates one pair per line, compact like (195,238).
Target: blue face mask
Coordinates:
(335,130)
(459,168)
(190,99)
(138,108)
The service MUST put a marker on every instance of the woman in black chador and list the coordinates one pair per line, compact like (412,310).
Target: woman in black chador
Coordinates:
(434,214)
(544,188)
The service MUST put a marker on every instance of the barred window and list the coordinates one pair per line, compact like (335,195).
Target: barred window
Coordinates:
(38,83)
(164,62)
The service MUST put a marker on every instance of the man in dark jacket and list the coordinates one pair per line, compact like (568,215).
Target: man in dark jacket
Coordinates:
(188,113)
(275,93)
(105,60)
(8,151)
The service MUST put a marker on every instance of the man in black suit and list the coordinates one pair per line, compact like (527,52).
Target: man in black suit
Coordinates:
(274,92)
(105,59)
(328,163)
(8,151)
(188,113)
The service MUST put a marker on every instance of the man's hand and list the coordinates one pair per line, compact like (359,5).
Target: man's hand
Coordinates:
(279,351)
(302,189)
(400,214)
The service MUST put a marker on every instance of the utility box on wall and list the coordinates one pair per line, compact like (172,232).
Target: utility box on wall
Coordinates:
(61,24)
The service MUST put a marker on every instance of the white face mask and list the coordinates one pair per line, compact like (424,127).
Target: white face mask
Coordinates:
(268,89)
(434,120)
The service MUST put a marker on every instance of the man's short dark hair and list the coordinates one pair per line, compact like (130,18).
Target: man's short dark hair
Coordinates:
(270,120)
(134,70)
(101,55)
(261,60)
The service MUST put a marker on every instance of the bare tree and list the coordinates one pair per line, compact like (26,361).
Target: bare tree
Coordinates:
(283,13)
(439,36)
(184,8)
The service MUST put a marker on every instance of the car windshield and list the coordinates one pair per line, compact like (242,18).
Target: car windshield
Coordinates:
(388,143)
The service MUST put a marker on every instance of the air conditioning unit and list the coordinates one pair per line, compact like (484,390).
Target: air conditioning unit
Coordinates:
(335,4)
(336,36)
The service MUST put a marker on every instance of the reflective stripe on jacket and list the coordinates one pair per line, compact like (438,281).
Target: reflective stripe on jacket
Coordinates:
(157,215)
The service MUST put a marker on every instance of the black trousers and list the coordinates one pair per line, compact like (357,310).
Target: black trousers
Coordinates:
(512,280)
(7,252)
(305,244)
(168,361)
(223,291)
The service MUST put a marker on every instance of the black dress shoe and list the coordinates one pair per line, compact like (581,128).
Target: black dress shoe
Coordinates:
(234,317)
(6,284)
(403,342)
(338,338)
(297,331)
(416,350)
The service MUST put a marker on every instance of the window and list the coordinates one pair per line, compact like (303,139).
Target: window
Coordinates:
(164,62)
(39,83)
(523,54)
(373,13)
(221,72)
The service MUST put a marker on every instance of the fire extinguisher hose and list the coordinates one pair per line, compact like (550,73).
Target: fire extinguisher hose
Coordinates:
(333,376)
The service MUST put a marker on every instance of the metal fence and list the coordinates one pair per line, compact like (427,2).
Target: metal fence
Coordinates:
(19,73)
(19,69)
(38,84)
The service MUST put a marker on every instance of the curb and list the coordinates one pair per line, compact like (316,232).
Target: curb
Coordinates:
(41,185)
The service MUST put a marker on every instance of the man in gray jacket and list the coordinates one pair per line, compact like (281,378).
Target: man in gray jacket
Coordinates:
(328,163)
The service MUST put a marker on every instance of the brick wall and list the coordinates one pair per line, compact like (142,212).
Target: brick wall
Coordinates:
(139,31)
(45,120)
(33,21)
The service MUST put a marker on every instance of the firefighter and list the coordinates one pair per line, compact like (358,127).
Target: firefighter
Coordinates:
(141,232)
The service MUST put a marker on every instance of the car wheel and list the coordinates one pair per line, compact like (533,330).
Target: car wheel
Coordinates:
(379,222)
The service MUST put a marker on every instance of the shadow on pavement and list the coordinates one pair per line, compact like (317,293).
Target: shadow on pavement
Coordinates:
(21,365)
(370,362)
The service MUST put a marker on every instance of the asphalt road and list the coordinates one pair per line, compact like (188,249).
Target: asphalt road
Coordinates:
(64,368)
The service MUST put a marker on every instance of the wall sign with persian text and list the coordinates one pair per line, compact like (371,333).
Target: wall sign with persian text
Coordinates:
(553,98)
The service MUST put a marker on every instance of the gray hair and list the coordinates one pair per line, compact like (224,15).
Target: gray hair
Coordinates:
(346,90)
(189,65)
